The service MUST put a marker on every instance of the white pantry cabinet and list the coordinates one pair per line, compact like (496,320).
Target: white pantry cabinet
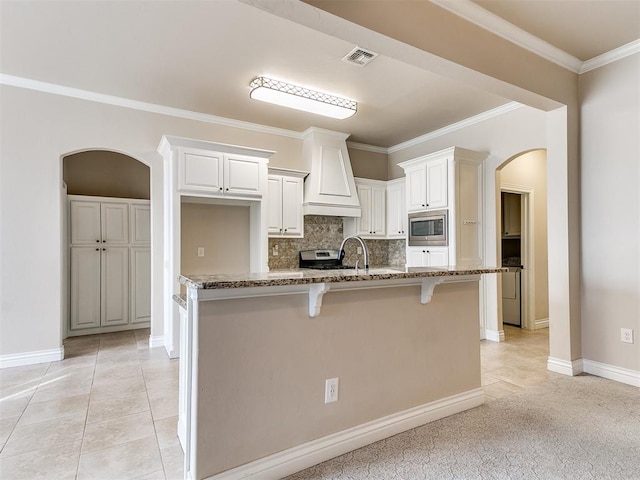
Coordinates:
(284,203)
(110,274)
(427,256)
(396,209)
(214,173)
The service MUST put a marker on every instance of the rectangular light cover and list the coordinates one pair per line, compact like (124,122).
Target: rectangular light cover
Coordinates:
(293,96)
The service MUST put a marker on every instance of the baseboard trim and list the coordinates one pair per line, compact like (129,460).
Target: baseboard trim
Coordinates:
(541,323)
(611,372)
(156,341)
(565,367)
(298,458)
(494,335)
(31,358)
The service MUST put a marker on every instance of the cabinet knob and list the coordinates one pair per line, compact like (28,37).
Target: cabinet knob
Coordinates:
(427,204)
(423,205)
(97,249)
(227,189)
(220,188)
(104,249)
(98,241)
(285,229)
(104,241)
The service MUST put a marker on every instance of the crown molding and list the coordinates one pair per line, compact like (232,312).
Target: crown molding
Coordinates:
(367,148)
(612,56)
(477,15)
(22,82)
(27,83)
(467,122)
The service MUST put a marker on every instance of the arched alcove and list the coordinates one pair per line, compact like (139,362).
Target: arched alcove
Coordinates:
(107,283)
(105,173)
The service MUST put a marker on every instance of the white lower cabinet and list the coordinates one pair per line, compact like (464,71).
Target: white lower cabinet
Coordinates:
(140,302)
(427,256)
(110,271)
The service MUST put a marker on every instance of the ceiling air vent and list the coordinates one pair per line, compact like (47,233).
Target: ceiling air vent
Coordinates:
(359,56)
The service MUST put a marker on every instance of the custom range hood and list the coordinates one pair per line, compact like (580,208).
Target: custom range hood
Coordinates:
(329,189)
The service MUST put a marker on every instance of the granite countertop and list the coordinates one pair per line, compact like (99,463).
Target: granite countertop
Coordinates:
(307,276)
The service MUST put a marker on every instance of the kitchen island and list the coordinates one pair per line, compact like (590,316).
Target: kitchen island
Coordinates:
(258,349)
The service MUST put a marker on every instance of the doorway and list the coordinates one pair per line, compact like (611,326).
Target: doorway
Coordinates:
(106,243)
(523,240)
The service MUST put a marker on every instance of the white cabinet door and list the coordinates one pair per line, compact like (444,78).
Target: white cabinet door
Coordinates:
(292,222)
(85,222)
(437,257)
(396,211)
(274,204)
(114,219)
(416,257)
(140,268)
(140,224)
(365,222)
(114,286)
(379,214)
(85,287)
(437,186)
(200,171)
(241,175)
(416,189)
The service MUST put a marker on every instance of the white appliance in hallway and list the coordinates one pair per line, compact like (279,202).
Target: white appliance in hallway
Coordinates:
(511,303)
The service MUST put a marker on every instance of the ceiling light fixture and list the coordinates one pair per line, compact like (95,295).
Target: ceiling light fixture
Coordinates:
(294,96)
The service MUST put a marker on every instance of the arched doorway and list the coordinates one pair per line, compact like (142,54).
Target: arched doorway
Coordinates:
(522,245)
(106,242)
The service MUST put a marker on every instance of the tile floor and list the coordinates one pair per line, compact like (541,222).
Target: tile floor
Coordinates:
(108,411)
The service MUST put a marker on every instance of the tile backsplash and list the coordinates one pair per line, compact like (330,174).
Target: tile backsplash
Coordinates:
(326,232)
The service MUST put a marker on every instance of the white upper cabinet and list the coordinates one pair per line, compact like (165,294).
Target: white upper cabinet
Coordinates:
(200,171)
(216,173)
(284,203)
(396,209)
(372,222)
(241,175)
(427,185)
(437,184)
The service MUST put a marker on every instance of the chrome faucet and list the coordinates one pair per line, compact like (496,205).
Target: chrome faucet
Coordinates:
(365,250)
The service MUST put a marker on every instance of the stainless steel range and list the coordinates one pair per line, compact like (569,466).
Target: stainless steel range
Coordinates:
(321,259)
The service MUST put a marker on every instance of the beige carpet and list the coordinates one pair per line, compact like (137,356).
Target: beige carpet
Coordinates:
(581,427)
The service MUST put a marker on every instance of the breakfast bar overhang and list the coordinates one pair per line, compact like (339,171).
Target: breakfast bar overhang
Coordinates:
(258,349)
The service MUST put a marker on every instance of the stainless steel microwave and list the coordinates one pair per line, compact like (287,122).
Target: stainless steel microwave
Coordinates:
(428,229)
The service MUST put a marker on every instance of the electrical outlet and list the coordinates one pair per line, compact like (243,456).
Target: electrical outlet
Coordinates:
(274,251)
(359,250)
(626,335)
(331,390)
(201,251)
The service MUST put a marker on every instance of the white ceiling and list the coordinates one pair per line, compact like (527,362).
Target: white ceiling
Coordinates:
(201,56)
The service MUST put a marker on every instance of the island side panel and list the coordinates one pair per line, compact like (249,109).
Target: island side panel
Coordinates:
(263,364)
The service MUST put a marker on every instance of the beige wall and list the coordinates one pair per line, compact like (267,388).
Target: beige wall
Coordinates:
(106,174)
(31,252)
(611,212)
(223,232)
(530,171)
(367,164)
(263,364)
